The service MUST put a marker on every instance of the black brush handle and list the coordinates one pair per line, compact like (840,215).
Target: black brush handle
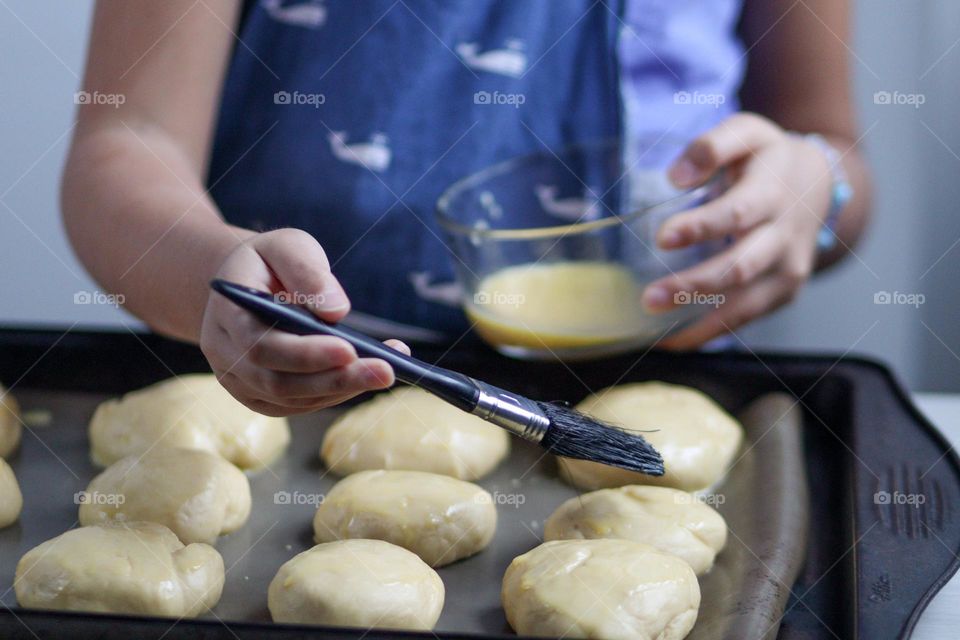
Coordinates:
(455,388)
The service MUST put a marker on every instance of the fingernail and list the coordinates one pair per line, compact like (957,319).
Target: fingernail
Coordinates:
(333,298)
(373,378)
(670,239)
(655,297)
(684,173)
(399,346)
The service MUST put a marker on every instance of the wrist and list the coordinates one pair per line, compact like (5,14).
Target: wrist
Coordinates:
(211,248)
(228,239)
(841,191)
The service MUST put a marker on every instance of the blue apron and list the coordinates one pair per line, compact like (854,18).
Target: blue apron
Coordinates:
(348,118)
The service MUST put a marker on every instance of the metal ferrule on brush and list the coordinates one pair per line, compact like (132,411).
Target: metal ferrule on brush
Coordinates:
(516,414)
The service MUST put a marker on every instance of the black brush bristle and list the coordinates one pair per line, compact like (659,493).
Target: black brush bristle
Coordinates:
(576,435)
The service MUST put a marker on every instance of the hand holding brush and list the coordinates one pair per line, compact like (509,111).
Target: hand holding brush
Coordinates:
(556,427)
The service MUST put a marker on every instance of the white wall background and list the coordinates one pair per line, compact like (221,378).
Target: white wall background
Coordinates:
(913,247)
(44,49)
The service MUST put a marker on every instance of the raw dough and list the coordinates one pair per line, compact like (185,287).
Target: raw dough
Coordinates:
(669,520)
(11,500)
(191,411)
(138,568)
(696,437)
(197,494)
(441,519)
(357,583)
(603,589)
(410,429)
(10,429)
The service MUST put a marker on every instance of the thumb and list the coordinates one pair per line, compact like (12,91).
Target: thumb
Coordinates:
(300,264)
(731,140)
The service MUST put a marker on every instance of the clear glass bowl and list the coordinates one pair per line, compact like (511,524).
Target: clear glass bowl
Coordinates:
(553,251)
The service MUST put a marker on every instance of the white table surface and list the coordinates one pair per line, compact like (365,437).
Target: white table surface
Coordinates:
(942,617)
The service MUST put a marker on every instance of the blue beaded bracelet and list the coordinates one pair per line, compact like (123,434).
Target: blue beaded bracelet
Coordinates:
(841,192)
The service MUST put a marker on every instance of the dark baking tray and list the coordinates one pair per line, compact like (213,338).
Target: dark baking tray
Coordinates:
(871,565)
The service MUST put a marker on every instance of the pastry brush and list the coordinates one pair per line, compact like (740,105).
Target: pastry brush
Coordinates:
(554,426)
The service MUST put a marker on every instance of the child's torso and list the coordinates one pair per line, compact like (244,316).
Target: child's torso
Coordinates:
(348,119)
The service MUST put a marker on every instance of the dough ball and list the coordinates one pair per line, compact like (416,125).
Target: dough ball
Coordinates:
(410,429)
(10,429)
(441,519)
(11,500)
(138,568)
(192,411)
(696,437)
(357,583)
(197,494)
(603,589)
(668,520)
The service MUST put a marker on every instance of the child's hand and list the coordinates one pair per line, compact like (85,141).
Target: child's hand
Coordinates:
(274,372)
(773,212)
